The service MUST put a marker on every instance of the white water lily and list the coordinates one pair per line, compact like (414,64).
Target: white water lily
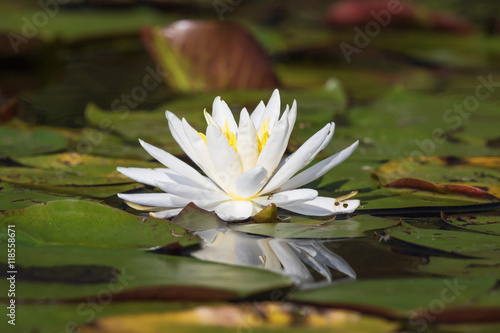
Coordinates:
(243,166)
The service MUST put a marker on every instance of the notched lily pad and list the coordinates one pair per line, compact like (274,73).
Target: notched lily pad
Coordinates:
(93,224)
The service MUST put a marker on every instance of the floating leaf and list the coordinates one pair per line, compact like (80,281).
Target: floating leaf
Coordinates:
(139,276)
(201,55)
(485,224)
(14,197)
(465,177)
(403,298)
(352,227)
(193,218)
(73,173)
(265,316)
(463,268)
(450,242)
(17,142)
(92,224)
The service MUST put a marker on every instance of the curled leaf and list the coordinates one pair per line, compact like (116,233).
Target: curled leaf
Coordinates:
(205,55)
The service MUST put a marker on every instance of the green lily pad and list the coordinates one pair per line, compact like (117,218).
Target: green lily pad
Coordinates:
(17,142)
(452,242)
(93,224)
(125,275)
(14,197)
(400,298)
(485,224)
(302,228)
(466,268)
(71,173)
(193,218)
(50,318)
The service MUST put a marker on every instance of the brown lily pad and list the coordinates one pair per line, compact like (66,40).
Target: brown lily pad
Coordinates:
(205,55)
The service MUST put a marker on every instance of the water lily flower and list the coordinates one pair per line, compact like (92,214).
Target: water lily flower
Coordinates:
(243,165)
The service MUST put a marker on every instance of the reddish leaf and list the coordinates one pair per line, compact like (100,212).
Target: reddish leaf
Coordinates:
(393,14)
(440,188)
(205,55)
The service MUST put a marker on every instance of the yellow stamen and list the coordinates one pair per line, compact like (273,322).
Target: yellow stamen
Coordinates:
(231,138)
(264,135)
(203,136)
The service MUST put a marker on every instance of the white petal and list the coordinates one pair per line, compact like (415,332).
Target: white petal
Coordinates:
(319,169)
(224,159)
(274,148)
(244,116)
(273,109)
(200,146)
(221,112)
(323,206)
(178,166)
(165,214)
(256,115)
(192,193)
(247,145)
(234,210)
(285,198)
(250,182)
(298,159)
(154,199)
(144,175)
(176,129)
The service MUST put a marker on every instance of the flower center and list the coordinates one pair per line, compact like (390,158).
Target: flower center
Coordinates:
(231,137)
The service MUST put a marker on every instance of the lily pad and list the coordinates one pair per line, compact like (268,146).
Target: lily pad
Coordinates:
(485,224)
(401,298)
(14,197)
(261,317)
(194,218)
(17,142)
(450,242)
(463,268)
(134,275)
(199,55)
(302,228)
(71,173)
(473,177)
(93,224)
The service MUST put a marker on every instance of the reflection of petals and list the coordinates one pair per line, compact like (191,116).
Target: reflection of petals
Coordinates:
(292,266)
(289,257)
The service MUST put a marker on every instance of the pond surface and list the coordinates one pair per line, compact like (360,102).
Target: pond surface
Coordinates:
(421,253)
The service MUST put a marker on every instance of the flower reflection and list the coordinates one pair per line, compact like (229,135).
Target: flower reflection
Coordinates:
(297,259)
